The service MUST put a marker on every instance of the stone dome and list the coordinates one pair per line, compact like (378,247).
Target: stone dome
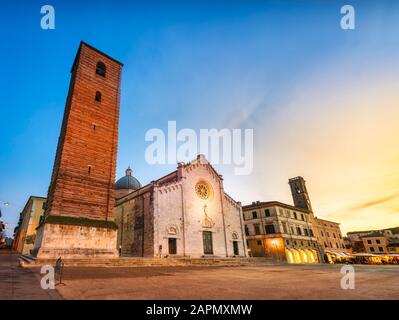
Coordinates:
(128,181)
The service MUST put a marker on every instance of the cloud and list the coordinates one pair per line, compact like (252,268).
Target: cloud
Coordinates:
(372,203)
(337,129)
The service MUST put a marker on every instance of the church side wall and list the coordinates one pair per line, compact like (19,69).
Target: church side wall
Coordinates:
(234,227)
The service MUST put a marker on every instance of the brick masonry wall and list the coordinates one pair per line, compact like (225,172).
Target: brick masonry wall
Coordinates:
(88,139)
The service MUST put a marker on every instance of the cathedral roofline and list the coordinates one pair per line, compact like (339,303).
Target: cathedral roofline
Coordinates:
(199,159)
(170,177)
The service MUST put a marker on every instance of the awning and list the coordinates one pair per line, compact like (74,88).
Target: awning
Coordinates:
(338,252)
(362,254)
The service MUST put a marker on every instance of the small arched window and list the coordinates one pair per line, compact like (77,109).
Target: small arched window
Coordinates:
(98,96)
(101,69)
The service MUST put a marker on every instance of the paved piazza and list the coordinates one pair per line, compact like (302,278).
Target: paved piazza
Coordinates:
(250,282)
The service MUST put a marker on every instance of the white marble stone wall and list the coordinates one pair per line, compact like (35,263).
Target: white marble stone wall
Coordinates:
(178,207)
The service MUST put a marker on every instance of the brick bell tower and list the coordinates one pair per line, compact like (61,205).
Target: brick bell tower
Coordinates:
(78,220)
(300,193)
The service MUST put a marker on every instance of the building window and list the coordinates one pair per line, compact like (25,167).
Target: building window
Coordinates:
(284,227)
(254,215)
(287,242)
(98,96)
(325,244)
(246,231)
(328,235)
(380,249)
(208,243)
(292,230)
(299,231)
(369,241)
(378,241)
(100,69)
(269,228)
(336,244)
(311,232)
(302,217)
(281,211)
(257,229)
(331,245)
(258,242)
(306,232)
(295,216)
(372,249)
(322,234)
(267,213)
(294,242)
(334,235)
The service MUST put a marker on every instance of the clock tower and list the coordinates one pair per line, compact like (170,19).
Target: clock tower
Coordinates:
(300,193)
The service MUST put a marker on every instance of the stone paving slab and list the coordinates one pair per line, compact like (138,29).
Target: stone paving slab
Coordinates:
(238,283)
(198,282)
(18,283)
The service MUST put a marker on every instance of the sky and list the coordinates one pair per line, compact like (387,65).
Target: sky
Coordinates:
(323,102)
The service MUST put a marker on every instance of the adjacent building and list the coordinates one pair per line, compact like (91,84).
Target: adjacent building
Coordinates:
(25,233)
(384,241)
(291,233)
(328,234)
(186,213)
(2,237)
(280,231)
(375,243)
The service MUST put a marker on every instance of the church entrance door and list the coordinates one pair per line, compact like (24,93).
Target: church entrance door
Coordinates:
(172,245)
(208,244)
(235,248)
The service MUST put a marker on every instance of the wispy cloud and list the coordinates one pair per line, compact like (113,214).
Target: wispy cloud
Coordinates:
(367,204)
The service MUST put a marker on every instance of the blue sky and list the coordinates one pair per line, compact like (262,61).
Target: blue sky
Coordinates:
(234,64)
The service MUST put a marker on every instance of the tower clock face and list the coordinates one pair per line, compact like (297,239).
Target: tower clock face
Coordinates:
(202,190)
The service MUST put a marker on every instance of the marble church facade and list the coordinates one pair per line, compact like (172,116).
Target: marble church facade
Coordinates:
(183,214)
